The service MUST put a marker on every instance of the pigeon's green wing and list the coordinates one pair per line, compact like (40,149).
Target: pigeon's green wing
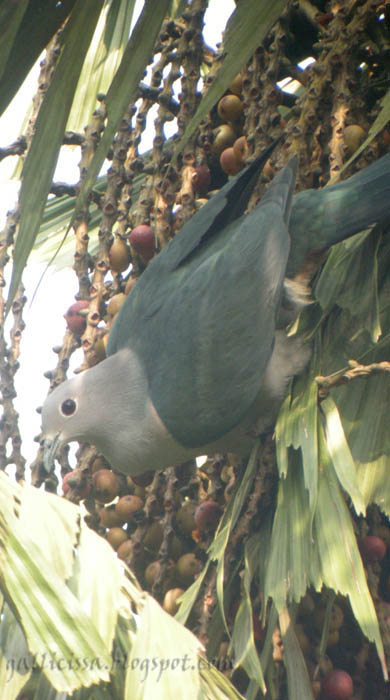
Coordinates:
(203,322)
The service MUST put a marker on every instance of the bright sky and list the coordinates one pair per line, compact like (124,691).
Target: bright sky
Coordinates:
(45,325)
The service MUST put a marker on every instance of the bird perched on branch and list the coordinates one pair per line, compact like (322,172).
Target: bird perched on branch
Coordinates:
(198,354)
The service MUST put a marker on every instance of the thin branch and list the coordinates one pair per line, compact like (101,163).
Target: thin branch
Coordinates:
(17,148)
(355,371)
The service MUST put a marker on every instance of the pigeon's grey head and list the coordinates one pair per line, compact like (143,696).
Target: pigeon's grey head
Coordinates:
(100,406)
(68,413)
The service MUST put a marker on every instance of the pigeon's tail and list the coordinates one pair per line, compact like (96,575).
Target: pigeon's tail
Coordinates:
(228,205)
(321,218)
(281,189)
(238,189)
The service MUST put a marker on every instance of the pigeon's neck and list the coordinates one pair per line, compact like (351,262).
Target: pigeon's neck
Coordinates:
(133,439)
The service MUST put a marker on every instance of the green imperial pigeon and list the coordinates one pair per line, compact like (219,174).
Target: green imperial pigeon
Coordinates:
(198,357)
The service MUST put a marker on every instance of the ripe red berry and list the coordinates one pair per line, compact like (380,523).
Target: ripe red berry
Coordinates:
(127,506)
(229,162)
(76,480)
(106,485)
(337,685)
(207,515)
(143,242)
(372,548)
(75,320)
(116,536)
(201,179)
(240,148)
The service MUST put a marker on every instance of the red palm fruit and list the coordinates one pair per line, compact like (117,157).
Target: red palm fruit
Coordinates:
(75,318)
(116,536)
(229,162)
(127,506)
(76,480)
(240,148)
(105,485)
(337,685)
(143,241)
(201,179)
(207,515)
(372,548)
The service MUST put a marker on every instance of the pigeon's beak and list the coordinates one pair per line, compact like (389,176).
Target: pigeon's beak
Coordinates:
(50,447)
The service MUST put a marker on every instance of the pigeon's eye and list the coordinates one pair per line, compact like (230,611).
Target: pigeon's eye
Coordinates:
(68,407)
